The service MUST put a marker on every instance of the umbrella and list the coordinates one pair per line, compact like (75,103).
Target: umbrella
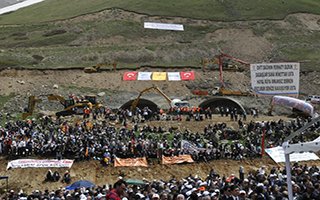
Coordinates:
(80,184)
(134,182)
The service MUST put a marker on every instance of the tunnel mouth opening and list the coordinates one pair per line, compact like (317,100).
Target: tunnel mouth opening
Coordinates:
(142,104)
(216,103)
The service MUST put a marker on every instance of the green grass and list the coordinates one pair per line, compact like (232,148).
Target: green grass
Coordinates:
(226,10)
(4,99)
(84,43)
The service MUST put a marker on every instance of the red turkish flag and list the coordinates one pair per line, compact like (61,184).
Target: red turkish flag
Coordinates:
(130,76)
(187,76)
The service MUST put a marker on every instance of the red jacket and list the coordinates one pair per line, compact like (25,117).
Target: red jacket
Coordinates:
(112,195)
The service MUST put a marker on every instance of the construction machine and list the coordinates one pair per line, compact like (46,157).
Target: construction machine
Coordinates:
(72,107)
(222,90)
(172,102)
(97,68)
(33,100)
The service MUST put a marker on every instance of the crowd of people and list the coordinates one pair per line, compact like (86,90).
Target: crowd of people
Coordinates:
(263,184)
(102,140)
(121,133)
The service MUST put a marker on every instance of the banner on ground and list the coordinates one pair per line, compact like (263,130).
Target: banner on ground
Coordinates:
(163,26)
(174,76)
(159,76)
(275,78)
(34,163)
(144,76)
(131,162)
(130,76)
(187,76)
(277,154)
(190,147)
(176,159)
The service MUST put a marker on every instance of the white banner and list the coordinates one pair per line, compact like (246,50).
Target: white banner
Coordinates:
(190,147)
(33,163)
(164,26)
(18,6)
(275,78)
(144,76)
(174,76)
(277,154)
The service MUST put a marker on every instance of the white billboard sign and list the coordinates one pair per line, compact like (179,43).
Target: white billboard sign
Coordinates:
(277,154)
(164,26)
(275,78)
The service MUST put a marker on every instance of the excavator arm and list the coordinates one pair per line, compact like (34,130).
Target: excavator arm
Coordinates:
(220,60)
(155,88)
(33,100)
(52,97)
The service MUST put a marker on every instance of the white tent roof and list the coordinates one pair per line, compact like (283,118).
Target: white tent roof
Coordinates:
(313,146)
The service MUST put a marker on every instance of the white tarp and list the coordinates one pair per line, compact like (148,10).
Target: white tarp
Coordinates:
(164,26)
(174,76)
(144,76)
(34,163)
(275,78)
(18,6)
(277,154)
(294,103)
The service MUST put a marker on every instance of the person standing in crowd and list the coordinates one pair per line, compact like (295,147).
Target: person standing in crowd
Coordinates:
(118,190)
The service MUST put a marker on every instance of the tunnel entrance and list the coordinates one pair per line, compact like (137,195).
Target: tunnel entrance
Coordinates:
(218,102)
(142,103)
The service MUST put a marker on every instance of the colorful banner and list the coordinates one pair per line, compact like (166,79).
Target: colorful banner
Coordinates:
(130,76)
(33,163)
(187,76)
(131,162)
(144,76)
(159,76)
(174,76)
(176,159)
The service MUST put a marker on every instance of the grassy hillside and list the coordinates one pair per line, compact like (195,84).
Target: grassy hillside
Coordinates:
(118,34)
(225,10)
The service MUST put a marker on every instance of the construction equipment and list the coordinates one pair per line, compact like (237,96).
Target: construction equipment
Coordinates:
(97,68)
(222,91)
(31,105)
(173,103)
(223,64)
(72,107)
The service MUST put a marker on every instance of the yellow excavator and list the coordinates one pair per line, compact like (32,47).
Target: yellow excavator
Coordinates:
(97,68)
(71,107)
(33,100)
(173,103)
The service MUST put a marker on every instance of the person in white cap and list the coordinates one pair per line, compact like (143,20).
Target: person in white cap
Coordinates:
(155,197)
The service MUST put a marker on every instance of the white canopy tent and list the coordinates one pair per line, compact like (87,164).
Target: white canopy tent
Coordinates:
(312,146)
